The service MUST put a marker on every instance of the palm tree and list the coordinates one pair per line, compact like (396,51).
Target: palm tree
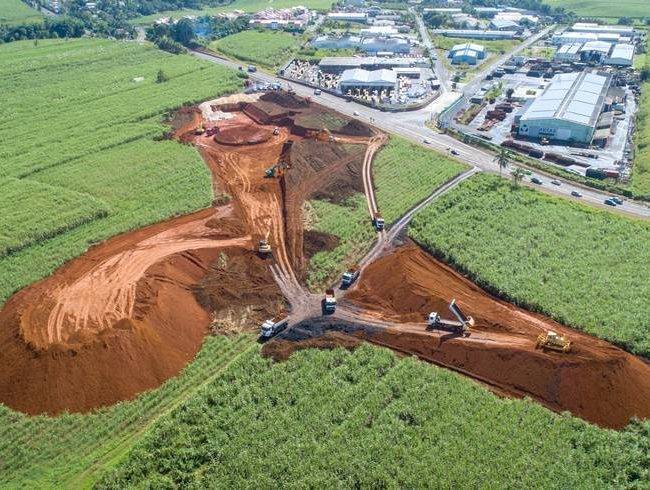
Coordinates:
(517,176)
(502,159)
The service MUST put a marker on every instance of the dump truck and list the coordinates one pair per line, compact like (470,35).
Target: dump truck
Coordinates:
(351,275)
(264,248)
(551,340)
(271,327)
(462,325)
(329,302)
(276,131)
(378,222)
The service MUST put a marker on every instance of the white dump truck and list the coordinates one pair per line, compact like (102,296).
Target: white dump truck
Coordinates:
(329,303)
(271,327)
(462,324)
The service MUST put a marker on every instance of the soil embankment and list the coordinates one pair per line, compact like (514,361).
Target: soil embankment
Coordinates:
(596,381)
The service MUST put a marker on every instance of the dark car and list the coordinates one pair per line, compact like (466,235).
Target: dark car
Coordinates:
(556,182)
(535,180)
(617,200)
(610,202)
(576,194)
(454,152)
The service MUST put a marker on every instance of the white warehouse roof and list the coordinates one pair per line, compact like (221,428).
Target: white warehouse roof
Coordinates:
(467,46)
(572,97)
(569,49)
(590,27)
(622,54)
(598,46)
(358,76)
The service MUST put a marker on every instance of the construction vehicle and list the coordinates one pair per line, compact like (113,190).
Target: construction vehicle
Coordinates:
(462,324)
(378,222)
(271,327)
(276,170)
(351,275)
(329,302)
(551,340)
(199,130)
(276,131)
(264,248)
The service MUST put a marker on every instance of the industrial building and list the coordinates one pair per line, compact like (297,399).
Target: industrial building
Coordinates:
(504,25)
(358,78)
(340,64)
(466,53)
(379,31)
(568,52)
(568,109)
(374,45)
(476,34)
(334,42)
(585,37)
(625,31)
(595,51)
(361,17)
(621,55)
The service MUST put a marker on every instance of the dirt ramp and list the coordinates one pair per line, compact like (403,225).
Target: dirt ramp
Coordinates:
(595,381)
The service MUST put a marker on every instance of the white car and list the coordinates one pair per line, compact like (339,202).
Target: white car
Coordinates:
(355,113)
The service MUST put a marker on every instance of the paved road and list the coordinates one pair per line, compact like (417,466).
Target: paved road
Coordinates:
(411,125)
(438,66)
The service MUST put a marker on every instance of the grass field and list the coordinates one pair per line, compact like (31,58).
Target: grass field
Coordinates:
(350,222)
(70,451)
(78,156)
(405,174)
(266,48)
(584,267)
(245,5)
(604,8)
(368,419)
(17,12)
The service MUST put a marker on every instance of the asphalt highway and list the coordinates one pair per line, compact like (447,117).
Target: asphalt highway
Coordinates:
(411,125)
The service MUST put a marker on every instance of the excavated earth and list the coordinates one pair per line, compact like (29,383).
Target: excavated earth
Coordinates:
(134,310)
(596,381)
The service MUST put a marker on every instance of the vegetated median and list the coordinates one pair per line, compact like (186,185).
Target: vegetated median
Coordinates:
(79,147)
(265,48)
(586,268)
(371,419)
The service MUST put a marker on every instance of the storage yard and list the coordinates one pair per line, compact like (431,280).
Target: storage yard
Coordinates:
(235,265)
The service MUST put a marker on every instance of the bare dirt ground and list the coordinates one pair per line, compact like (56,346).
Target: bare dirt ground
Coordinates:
(596,381)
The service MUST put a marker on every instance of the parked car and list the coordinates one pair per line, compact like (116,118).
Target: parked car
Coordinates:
(576,194)
(355,113)
(252,69)
(610,202)
(556,182)
(535,180)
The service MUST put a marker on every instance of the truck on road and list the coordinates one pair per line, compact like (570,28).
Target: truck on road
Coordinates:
(329,302)
(271,327)
(378,222)
(351,275)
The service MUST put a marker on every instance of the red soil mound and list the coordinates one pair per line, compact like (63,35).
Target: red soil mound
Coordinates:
(243,135)
(596,381)
(118,320)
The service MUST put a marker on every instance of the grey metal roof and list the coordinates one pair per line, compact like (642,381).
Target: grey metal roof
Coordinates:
(572,48)
(599,46)
(623,51)
(465,46)
(573,97)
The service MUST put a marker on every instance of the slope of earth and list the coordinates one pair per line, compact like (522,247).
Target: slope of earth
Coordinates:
(596,381)
(81,120)
(368,419)
(119,320)
(17,12)
(586,268)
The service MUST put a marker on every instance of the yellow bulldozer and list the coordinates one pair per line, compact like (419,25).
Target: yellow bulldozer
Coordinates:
(551,340)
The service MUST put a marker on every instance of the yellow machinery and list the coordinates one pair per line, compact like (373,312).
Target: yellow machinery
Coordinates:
(551,340)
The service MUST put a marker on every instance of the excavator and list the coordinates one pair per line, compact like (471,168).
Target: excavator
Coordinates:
(462,325)
(551,340)
(276,170)
(263,247)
